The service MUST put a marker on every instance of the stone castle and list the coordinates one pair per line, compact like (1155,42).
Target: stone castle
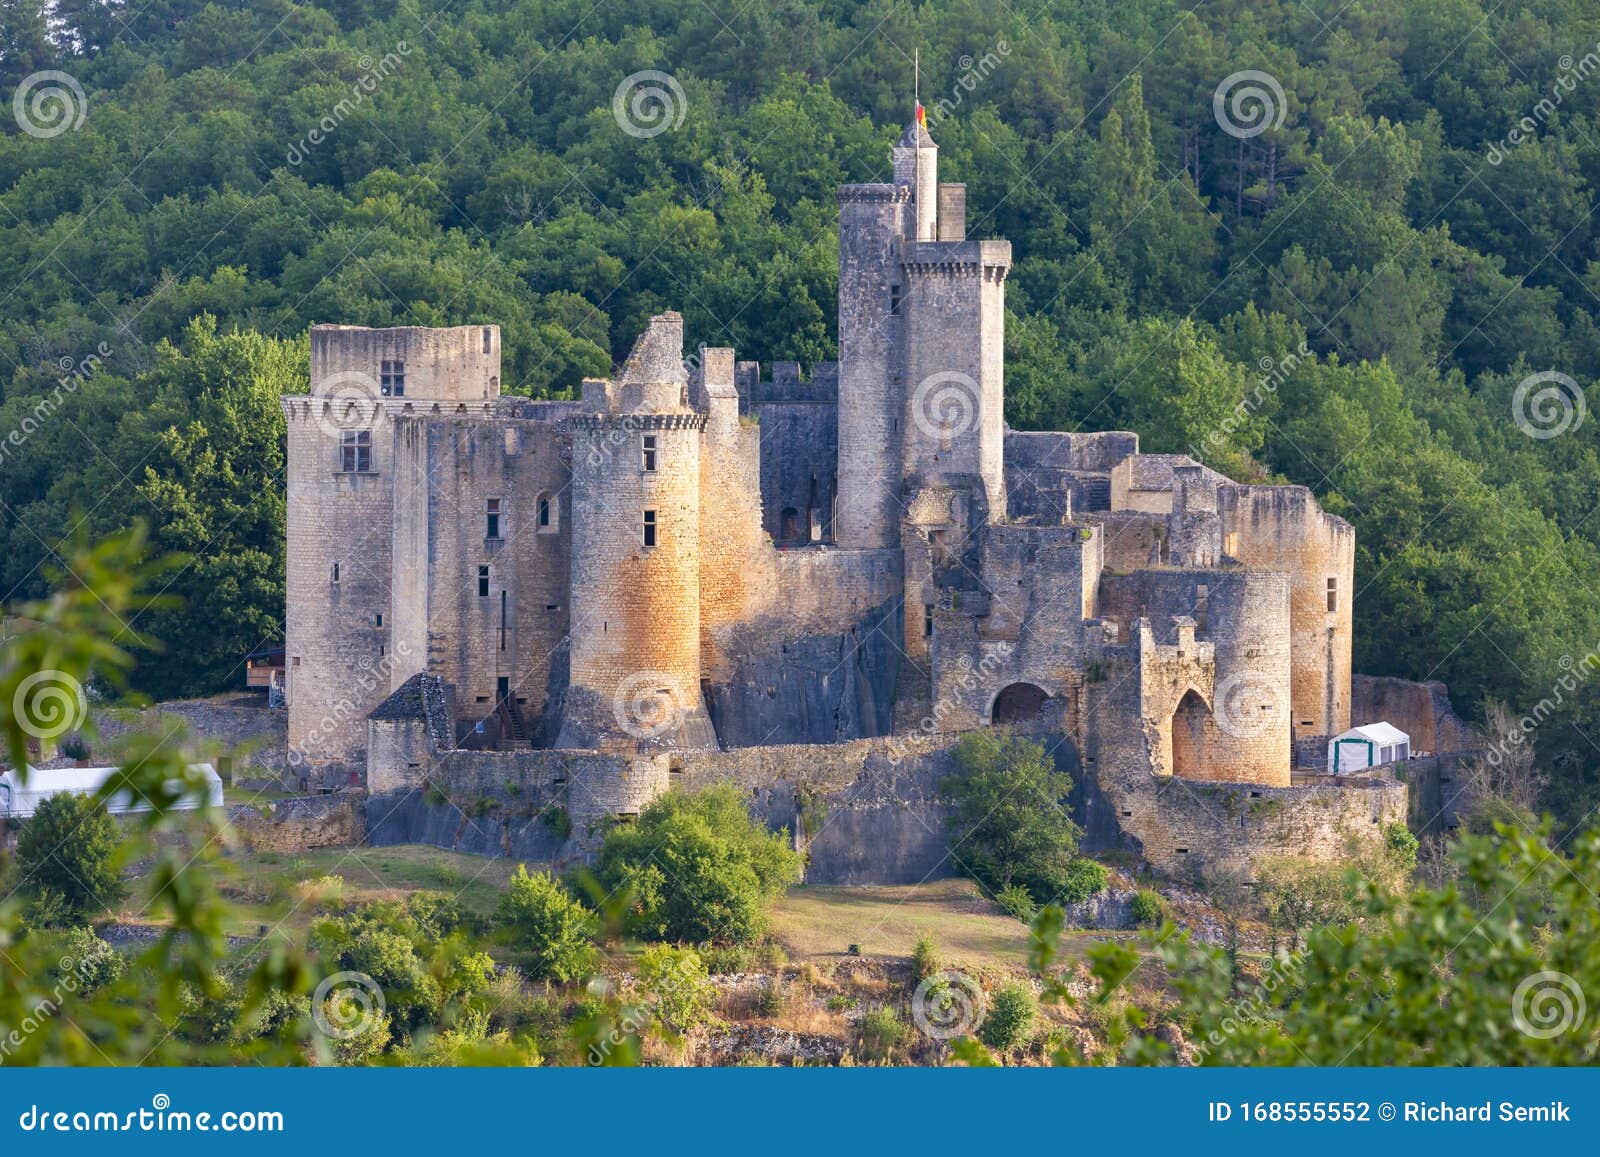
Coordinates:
(694,568)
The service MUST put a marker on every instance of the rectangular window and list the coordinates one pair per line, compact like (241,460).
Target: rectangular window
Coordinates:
(492,517)
(649,448)
(355,451)
(483,582)
(927,622)
(894,300)
(335,577)
(1333,595)
(392,379)
(380,620)
(502,621)
(544,512)
(649,528)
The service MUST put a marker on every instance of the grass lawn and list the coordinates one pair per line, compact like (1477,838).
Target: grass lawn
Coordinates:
(266,888)
(886,921)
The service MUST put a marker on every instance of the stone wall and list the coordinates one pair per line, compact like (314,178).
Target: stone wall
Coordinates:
(1421,710)
(259,735)
(301,823)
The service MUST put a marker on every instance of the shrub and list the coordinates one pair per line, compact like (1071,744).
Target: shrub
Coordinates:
(879,1033)
(1146,907)
(1082,879)
(698,868)
(770,1000)
(1010,1021)
(1009,808)
(1401,846)
(724,959)
(677,985)
(542,919)
(91,961)
(1016,901)
(924,959)
(69,848)
(75,747)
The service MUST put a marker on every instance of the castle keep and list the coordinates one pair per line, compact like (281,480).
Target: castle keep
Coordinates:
(693,561)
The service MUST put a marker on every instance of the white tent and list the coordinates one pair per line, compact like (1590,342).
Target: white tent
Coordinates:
(19,800)
(1370,745)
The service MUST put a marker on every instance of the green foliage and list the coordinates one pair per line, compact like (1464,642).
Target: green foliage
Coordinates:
(1485,970)
(676,985)
(924,958)
(1401,846)
(544,920)
(698,868)
(1008,1025)
(1016,901)
(1009,822)
(1147,907)
(69,849)
(1084,878)
(879,1032)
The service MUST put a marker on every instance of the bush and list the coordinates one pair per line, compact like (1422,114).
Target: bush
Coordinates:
(75,747)
(1009,1024)
(675,982)
(1147,907)
(924,959)
(69,849)
(1009,810)
(698,868)
(770,1000)
(1016,901)
(1401,846)
(91,961)
(542,919)
(879,1033)
(1082,879)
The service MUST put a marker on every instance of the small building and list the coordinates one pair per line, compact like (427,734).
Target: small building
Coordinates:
(1370,745)
(19,800)
(263,668)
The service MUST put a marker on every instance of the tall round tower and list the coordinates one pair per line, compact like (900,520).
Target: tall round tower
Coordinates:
(635,650)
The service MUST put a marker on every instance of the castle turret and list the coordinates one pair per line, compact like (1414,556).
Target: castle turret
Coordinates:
(635,651)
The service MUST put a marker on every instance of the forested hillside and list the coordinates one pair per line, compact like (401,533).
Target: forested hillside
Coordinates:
(1417,212)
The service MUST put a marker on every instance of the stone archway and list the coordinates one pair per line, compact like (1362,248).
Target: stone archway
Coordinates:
(1019,703)
(1188,728)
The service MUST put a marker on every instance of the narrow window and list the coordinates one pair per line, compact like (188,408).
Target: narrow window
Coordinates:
(649,453)
(492,515)
(380,620)
(544,512)
(483,582)
(488,340)
(335,577)
(355,451)
(502,620)
(392,379)
(894,300)
(1333,595)
(927,621)
(649,528)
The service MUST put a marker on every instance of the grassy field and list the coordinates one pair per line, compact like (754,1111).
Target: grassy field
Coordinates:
(813,922)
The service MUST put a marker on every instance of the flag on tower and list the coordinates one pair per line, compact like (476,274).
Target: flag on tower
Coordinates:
(922,115)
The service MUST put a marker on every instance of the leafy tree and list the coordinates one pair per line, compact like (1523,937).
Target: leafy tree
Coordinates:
(1009,822)
(70,848)
(1008,1025)
(698,868)
(677,987)
(554,929)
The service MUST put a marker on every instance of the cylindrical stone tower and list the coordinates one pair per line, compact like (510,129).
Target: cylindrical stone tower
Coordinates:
(1248,742)
(635,637)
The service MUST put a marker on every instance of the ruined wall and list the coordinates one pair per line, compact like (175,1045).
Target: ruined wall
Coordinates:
(300,824)
(1421,710)
(261,735)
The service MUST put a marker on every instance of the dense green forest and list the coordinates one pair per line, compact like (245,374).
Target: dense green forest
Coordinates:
(1418,213)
